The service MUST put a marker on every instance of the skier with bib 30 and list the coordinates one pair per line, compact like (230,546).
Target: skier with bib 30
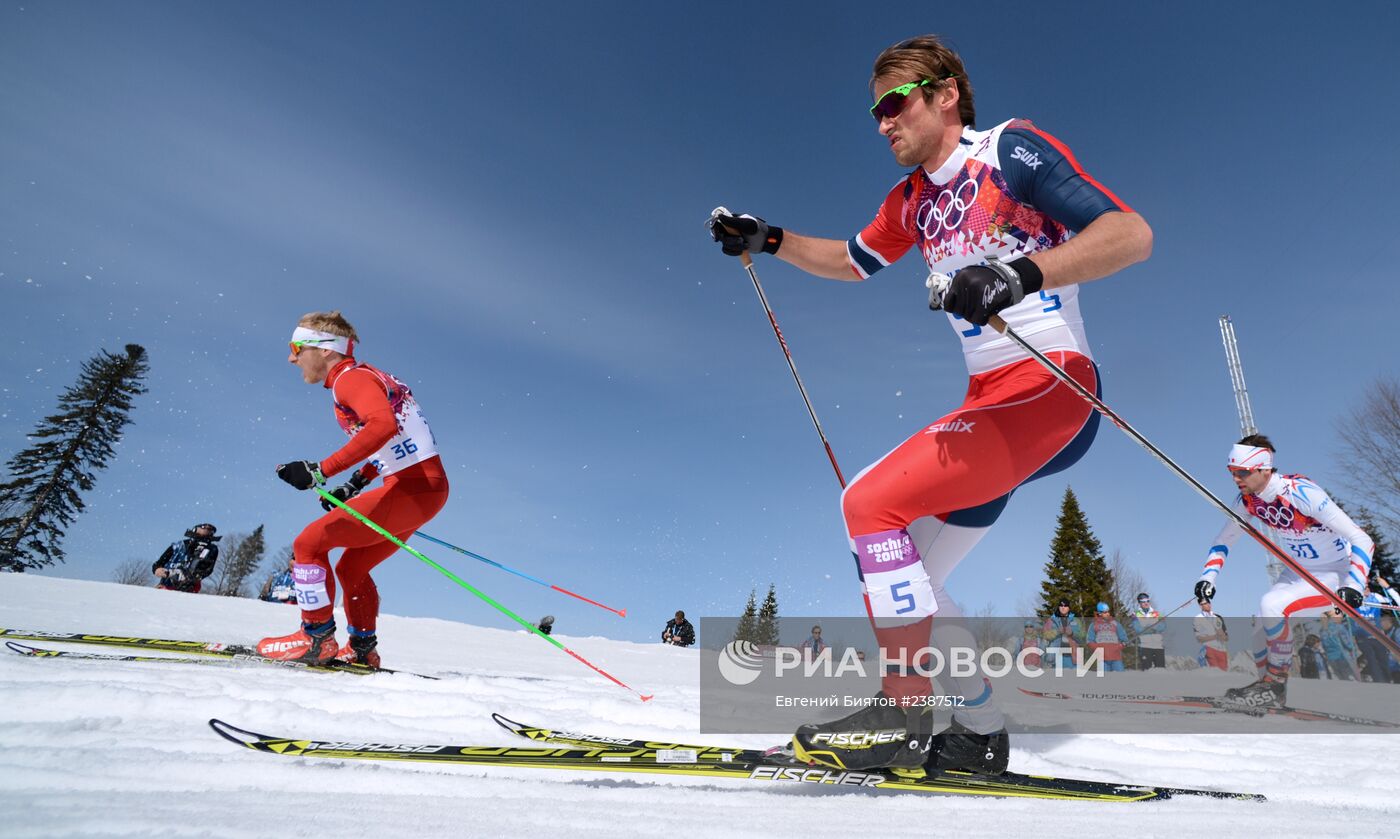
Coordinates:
(1300,518)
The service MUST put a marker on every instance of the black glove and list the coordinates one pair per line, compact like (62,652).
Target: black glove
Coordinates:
(1350,596)
(979,291)
(347,490)
(1204,590)
(302,474)
(751,233)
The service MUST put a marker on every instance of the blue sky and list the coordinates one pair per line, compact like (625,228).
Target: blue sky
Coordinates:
(508,204)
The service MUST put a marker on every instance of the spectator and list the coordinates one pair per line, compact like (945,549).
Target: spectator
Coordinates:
(1059,633)
(1391,627)
(546,625)
(1339,646)
(1312,662)
(280,587)
(813,646)
(1147,626)
(678,631)
(1030,645)
(1106,633)
(184,565)
(1373,652)
(1214,637)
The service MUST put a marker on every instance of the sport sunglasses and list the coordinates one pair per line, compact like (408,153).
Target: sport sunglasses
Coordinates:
(891,103)
(1243,473)
(298,346)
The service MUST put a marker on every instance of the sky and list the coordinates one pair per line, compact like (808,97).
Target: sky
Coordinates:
(508,203)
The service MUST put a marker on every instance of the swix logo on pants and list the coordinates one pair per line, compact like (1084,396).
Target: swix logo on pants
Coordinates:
(950,425)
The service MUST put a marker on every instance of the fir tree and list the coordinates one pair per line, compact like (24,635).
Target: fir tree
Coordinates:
(748,621)
(767,630)
(243,558)
(42,497)
(1076,570)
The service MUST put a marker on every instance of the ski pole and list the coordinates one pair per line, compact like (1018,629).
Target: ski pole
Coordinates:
(773,321)
(560,589)
(1000,326)
(1188,602)
(480,594)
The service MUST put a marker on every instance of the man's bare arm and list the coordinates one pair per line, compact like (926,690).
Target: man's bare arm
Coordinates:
(823,257)
(1110,243)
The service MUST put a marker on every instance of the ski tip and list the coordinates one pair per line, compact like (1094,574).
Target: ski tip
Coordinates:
(507,723)
(234,734)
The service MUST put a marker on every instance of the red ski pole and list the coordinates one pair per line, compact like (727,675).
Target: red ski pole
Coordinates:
(480,594)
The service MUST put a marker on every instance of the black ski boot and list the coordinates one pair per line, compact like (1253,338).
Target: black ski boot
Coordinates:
(959,748)
(877,736)
(362,649)
(1271,691)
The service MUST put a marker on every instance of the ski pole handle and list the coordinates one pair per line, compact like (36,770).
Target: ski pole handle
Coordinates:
(744,258)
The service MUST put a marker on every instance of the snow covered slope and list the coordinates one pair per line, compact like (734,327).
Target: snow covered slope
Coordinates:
(100,748)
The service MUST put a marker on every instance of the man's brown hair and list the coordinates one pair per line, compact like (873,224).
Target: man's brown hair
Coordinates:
(1259,441)
(926,57)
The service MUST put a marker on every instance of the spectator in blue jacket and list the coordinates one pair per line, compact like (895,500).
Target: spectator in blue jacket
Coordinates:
(1339,645)
(1060,631)
(1391,627)
(280,587)
(813,646)
(1374,656)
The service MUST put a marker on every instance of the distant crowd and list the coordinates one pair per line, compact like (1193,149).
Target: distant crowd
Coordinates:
(1066,636)
(1334,647)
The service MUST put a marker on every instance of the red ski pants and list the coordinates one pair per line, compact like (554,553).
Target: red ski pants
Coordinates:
(406,501)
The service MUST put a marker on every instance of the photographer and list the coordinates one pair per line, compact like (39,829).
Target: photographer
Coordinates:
(679,631)
(184,565)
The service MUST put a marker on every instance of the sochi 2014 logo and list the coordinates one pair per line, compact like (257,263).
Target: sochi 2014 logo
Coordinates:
(740,662)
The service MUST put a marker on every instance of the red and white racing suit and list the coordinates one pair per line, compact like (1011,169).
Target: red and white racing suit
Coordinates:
(915,513)
(1300,518)
(386,427)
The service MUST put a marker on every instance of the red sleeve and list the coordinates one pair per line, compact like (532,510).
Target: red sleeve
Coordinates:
(887,237)
(365,396)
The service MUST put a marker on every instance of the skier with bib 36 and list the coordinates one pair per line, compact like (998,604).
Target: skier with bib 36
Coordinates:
(386,429)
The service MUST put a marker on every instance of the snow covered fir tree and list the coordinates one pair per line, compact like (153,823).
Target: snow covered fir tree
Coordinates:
(43,494)
(747,630)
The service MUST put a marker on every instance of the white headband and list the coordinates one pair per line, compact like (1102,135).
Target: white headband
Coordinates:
(1250,457)
(323,340)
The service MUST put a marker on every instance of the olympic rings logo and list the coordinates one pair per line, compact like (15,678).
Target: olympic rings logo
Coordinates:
(946,212)
(1277,516)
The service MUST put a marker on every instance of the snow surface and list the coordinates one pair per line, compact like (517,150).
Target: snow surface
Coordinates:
(92,748)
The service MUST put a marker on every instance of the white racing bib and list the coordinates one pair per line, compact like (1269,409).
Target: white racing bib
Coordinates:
(895,580)
(311,586)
